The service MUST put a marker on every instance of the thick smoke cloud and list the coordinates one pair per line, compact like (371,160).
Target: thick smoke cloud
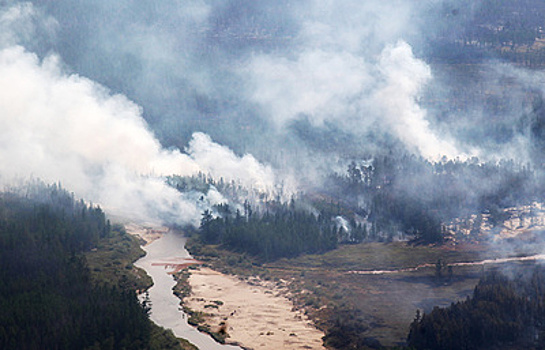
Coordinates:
(351,70)
(247,72)
(343,89)
(302,85)
(67,128)
(404,77)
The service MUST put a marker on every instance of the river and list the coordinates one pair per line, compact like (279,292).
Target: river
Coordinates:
(165,306)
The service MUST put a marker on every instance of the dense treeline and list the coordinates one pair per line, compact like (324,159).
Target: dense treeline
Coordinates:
(233,191)
(46,296)
(282,232)
(414,196)
(504,311)
(387,197)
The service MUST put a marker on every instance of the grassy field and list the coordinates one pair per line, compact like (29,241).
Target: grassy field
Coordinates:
(111,262)
(372,307)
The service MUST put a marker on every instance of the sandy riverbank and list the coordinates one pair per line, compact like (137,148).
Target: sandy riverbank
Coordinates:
(256,315)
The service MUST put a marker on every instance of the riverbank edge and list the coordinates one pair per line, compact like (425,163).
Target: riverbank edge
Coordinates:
(198,319)
(141,237)
(207,322)
(253,276)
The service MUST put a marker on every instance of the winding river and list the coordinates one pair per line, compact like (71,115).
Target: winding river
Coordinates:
(170,250)
(165,306)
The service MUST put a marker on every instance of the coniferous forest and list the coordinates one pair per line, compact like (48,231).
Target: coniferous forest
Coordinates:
(47,297)
(285,233)
(382,199)
(504,310)
(414,196)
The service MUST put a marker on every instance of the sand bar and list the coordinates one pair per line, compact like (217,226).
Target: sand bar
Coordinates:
(256,316)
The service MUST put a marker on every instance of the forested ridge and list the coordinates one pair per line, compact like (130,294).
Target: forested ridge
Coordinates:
(417,197)
(389,197)
(47,296)
(505,311)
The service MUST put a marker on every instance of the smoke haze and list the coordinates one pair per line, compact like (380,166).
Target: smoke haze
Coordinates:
(67,128)
(106,97)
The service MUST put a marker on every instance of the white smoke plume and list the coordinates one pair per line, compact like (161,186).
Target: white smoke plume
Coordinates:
(244,72)
(351,69)
(295,83)
(219,161)
(343,89)
(63,127)
(403,78)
